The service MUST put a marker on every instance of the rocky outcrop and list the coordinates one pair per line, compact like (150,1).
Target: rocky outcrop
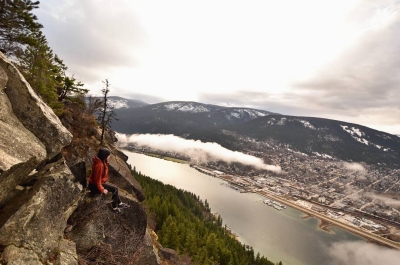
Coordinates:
(46,214)
(121,175)
(32,112)
(16,175)
(19,256)
(169,254)
(39,223)
(148,250)
(17,144)
(102,236)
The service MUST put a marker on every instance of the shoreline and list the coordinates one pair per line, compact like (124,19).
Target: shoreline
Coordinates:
(324,222)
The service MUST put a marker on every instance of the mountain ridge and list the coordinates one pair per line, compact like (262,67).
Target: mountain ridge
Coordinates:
(312,136)
(235,128)
(180,117)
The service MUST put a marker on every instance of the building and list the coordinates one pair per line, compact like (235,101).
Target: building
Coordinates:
(318,208)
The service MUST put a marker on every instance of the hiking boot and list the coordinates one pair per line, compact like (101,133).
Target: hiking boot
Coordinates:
(116,211)
(123,205)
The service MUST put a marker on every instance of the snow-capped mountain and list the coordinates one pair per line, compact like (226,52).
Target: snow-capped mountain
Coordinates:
(248,129)
(181,117)
(312,137)
(192,107)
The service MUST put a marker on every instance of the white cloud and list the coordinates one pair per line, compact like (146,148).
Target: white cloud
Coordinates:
(385,200)
(354,167)
(362,253)
(195,149)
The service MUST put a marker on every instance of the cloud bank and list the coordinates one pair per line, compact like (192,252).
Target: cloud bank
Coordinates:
(361,253)
(195,149)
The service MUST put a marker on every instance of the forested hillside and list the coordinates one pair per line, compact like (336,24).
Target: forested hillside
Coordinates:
(309,135)
(184,223)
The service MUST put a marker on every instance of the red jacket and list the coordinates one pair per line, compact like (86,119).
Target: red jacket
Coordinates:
(99,173)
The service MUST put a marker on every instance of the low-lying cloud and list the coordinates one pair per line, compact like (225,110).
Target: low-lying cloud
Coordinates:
(195,149)
(383,199)
(354,167)
(362,253)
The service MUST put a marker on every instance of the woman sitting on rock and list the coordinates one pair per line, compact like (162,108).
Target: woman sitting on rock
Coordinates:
(99,176)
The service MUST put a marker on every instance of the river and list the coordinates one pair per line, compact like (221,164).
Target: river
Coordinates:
(278,235)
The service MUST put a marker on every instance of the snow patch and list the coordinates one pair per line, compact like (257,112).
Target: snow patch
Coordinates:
(295,152)
(361,140)
(354,132)
(306,124)
(240,113)
(386,136)
(322,155)
(119,104)
(186,107)
(254,114)
(236,115)
(357,135)
(282,121)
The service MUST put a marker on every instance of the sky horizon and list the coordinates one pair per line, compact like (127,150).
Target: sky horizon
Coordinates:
(337,60)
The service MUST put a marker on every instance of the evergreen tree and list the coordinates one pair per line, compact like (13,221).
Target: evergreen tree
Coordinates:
(38,64)
(219,220)
(18,25)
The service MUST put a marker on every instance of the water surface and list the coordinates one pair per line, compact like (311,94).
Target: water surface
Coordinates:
(278,235)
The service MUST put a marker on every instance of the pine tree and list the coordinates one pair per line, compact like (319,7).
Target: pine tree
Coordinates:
(41,71)
(18,25)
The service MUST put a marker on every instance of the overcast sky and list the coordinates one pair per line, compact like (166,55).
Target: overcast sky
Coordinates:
(331,59)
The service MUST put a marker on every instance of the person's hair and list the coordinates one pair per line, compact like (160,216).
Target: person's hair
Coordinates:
(103,154)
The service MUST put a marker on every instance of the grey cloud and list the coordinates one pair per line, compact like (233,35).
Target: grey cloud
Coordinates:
(366,75)
(361,85)
(238,99)
(286,104)
(86,33)
(139,96)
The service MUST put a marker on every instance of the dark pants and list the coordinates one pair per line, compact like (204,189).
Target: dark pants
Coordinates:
(110,188)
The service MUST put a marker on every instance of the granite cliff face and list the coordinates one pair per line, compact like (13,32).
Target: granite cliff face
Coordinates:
(46,214)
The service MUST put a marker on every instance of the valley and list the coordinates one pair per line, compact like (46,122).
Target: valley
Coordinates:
(321,188)
(345,174)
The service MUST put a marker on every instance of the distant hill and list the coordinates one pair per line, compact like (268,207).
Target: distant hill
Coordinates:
(180,117)
(242,128)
